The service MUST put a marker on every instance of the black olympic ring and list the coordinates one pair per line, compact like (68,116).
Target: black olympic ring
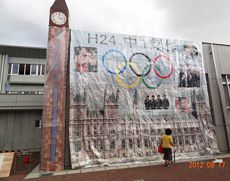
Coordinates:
(140,75)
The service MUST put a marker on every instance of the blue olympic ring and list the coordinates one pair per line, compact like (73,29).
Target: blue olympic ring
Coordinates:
(110,71)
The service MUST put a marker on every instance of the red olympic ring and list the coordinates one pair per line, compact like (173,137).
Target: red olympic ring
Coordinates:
(171,67)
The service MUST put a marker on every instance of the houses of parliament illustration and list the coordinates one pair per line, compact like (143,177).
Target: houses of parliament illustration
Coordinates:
(98,136)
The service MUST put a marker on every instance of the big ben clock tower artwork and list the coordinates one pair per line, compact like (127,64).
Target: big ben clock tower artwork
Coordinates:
(54,106)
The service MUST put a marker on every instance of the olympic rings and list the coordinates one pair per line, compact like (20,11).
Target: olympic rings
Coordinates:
(145,83)
(130,60)
(171,67)
(110,71)
(123,66)
(121,83)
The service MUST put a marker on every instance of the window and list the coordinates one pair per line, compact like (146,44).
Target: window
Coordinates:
(27,69)
(146,142)
(122,132)
(123,143)
(94,143)
(130,143)
(226,85)
(112,129)
(38,123)
(174,140)
(41,69)
(137,130)
(138,143)
(9,69)
(193,139)
(78,146)
(101,145)
(33,69)
(180,141)
(21,69)
(192,129)
(14,69)
(198,129)
(78,130)
(89,147)
(112,145)
(101,129)
(95,130)
(186,140)
(146,131)
(130,129)
(88,130)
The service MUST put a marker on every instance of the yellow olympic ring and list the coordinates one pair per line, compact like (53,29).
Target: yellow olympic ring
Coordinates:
(121,83)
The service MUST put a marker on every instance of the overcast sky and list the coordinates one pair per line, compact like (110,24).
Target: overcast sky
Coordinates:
(25,22)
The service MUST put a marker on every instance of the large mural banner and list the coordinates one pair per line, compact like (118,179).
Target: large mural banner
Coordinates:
(126,90)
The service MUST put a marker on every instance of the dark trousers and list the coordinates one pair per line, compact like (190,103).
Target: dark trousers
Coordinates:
(168,154)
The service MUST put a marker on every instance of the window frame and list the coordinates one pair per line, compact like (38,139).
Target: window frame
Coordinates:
(42,69)
(12,68)
(40,123)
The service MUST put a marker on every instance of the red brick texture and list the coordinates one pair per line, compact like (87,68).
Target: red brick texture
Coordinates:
(57,56)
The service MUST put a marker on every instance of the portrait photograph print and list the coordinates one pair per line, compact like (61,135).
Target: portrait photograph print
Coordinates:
(86,59)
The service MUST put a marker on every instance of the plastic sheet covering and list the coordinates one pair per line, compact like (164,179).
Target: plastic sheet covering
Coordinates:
(54,107)
(126,90)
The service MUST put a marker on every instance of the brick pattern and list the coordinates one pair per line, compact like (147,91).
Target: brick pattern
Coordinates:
(57,58)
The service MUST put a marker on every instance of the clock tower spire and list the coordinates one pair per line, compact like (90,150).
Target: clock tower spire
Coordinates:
(55,90)
(59,14)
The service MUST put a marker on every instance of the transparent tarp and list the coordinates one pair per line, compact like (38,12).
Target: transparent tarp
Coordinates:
(126,90)
(54,107)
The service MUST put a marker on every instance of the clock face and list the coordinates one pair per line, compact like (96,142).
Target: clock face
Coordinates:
(58,18)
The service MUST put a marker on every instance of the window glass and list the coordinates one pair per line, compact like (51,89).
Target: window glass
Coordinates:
(112,145)
(89,147)
(33,70)
(38,124)
(88,130)
(78,130)
(21,69)
(123,143)
(39,69)
(27,71)
(130,143)
(138,143)
(9,69)
(43,69)
(101,145)
(15,68)
(146,142)
(78,146)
